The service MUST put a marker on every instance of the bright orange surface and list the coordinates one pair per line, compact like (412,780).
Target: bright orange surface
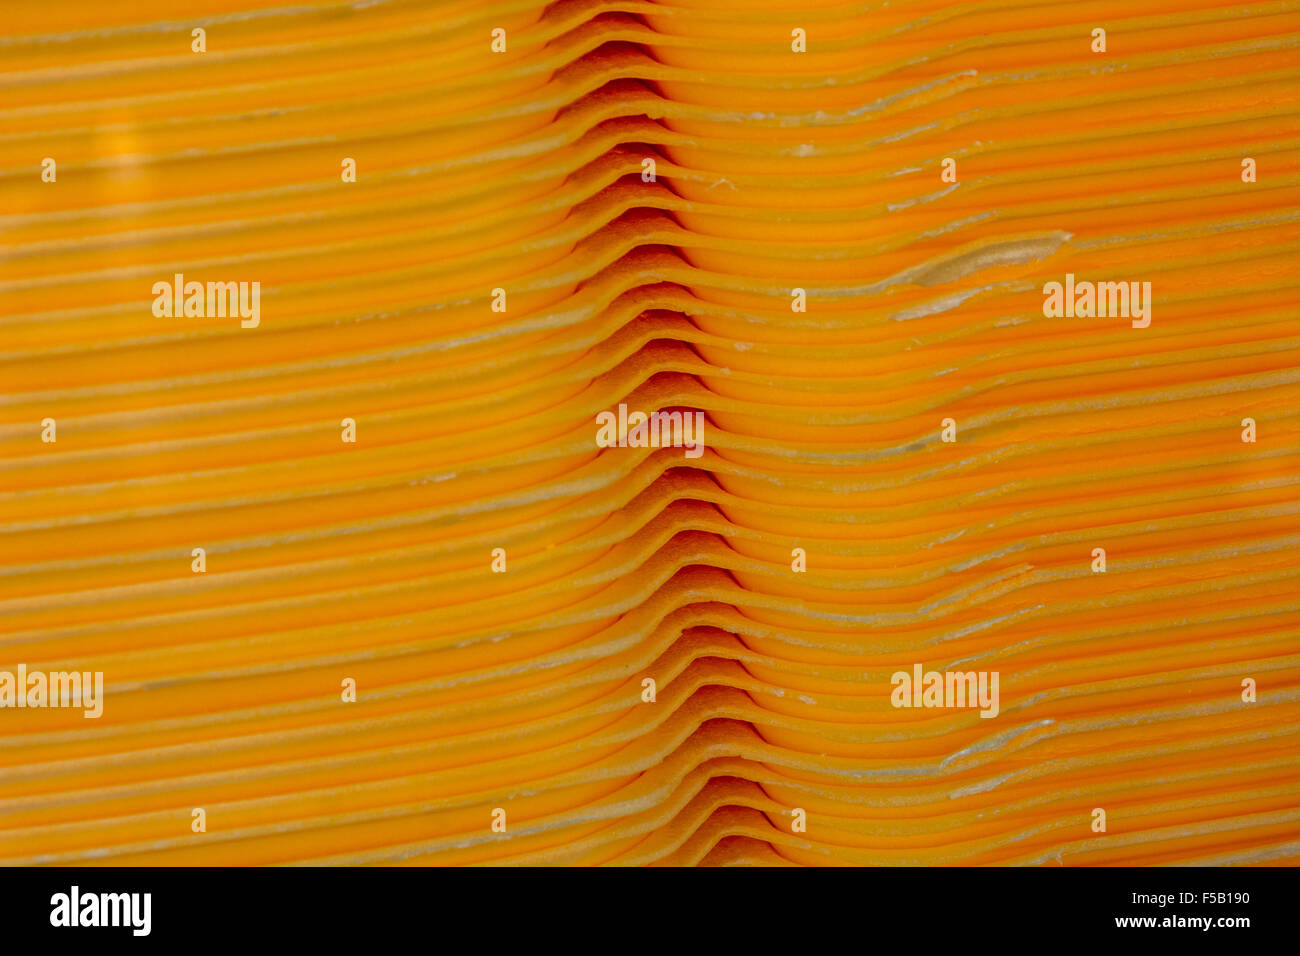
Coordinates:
(475,430)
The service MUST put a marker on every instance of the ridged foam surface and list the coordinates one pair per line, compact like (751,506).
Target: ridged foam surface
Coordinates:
(571,652)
